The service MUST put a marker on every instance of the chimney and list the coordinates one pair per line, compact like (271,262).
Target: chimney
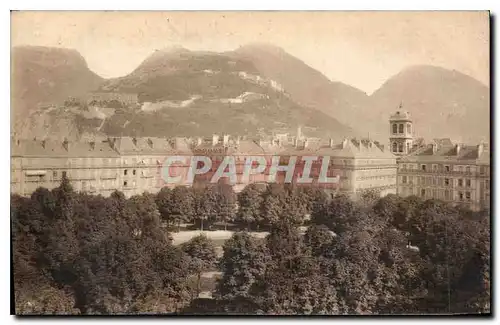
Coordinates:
(225,140)
(66,144)
(331,143)
(480,149)
(43,144)
(199,141)
(112,142)
(134,141)
(344,143)
(238,140)
(215,139)
(457,146)
(306,143)
(150,143)
(92,145)
(434,148)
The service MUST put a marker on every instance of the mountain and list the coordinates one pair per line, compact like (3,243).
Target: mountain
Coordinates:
(306,85)
(255,89)
(177,92)
(184,93)
(443,103)
(44,76)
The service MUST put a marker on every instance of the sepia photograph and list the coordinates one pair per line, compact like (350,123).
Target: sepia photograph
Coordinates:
(267,163)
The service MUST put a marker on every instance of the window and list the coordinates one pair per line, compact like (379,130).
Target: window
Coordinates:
(400,147)
(467,196)
(481,170)
(460,196)
(125,183)
(404,180)
(447,195)
(467,182)
(394,146)
(487,185)
(408,128)
(394,128)
(54,174)
(460,182)
(467,169)
(404,166)
(125,172)
(64,174)
(447,169)
(440,168)
(434,168)
(422,192)
(133,172)
(446,182)
(435,193)
(424,167)
(434,181)
(401,128)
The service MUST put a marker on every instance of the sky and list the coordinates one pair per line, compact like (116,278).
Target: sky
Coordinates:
(362,49)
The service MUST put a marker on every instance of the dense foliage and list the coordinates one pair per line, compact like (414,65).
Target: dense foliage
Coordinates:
(78,253)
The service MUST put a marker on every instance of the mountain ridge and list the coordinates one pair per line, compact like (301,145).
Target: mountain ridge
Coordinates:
(186,73)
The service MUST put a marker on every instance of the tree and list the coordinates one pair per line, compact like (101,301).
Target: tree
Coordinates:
(293,282)
(61,246)
(226,203)
(206,206)
(164,204)
(250,206)
(338,214)
(273,203)
(182,205)
(319,239)
(295,206)
(312,198)
(44,299)
(243,263)
(387,208)
(144,217)
(284,242)
(202,256)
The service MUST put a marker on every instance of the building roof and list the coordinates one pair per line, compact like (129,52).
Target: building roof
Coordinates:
(61,149)
(114,147)
(445,150)
(400,116)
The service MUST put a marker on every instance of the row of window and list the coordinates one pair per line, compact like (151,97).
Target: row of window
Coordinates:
(446,194)
(436,181)
(445,168)
(399,147)
(399,128)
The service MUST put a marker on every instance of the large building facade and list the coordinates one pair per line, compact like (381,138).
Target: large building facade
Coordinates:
(135,165)
(452,172)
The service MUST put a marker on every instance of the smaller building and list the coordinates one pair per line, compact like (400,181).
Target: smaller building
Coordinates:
(455,173)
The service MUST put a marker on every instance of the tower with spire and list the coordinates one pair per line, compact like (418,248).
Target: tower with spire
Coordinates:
(401,132)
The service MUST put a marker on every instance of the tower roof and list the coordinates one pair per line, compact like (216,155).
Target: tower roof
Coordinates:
(401,116)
